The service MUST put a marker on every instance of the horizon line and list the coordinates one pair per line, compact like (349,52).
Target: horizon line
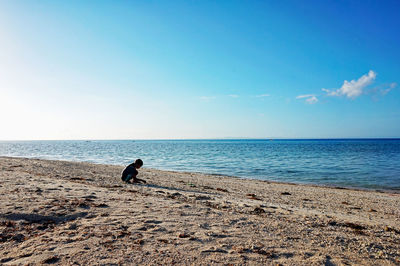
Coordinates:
(226,138)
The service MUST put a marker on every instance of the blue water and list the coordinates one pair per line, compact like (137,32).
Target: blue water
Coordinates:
(361,163)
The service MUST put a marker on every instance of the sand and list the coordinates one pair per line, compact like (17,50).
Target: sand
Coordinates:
(55,212)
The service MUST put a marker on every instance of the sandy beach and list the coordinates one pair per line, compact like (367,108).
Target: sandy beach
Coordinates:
(56,212)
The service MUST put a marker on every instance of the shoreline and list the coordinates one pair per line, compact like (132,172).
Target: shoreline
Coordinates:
(333,186)
(221,139)
(380,190)
(75,212)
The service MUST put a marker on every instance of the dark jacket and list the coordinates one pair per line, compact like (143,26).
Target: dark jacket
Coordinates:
(129,172)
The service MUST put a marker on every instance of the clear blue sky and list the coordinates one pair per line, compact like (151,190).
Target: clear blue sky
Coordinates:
(199,69)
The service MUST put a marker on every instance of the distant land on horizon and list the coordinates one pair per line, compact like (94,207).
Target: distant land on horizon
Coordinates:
(200,139)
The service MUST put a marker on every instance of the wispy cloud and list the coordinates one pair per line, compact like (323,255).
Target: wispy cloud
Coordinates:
(386,90)
(233,95)
(262,95)
(381,90)
(309,98)
(354,88)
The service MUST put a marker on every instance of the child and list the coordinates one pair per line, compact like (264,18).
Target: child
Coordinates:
(131,172)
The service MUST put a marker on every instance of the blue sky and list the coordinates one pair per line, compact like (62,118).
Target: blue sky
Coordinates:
(199,69)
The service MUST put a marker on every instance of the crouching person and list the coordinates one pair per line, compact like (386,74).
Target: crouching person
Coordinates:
(131,172)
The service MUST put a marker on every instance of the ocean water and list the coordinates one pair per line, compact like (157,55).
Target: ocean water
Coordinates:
(360,163)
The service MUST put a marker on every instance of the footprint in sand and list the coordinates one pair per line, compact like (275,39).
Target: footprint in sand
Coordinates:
(146,227)
(51,260)
(202,198)
(159,229)
(152,222)
(204,226)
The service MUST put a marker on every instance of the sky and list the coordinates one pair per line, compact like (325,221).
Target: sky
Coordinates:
(199,69)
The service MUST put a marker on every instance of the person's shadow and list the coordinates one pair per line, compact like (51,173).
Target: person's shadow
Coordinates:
(175,189)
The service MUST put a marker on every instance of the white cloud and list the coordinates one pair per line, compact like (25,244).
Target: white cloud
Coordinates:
(354,88)
(233,95)
(312,100)
(305,96)
(391,87)
(262,95)
(309,98)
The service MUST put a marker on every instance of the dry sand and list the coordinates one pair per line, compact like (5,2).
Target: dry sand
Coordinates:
(80,213)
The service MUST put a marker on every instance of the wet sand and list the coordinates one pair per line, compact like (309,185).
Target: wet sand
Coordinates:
(55,212)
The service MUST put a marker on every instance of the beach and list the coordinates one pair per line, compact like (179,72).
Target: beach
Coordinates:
(75,213)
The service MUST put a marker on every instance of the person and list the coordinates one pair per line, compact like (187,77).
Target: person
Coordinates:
(130,172)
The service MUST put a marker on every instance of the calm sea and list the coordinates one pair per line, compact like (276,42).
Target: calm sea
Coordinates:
(361,163)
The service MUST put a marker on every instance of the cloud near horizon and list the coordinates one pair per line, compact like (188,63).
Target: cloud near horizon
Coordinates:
(309,98)
(354,88)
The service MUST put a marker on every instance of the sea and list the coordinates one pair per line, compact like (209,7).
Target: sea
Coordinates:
(352,163)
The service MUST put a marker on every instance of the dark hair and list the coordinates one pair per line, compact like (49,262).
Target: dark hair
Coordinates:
(139,162)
